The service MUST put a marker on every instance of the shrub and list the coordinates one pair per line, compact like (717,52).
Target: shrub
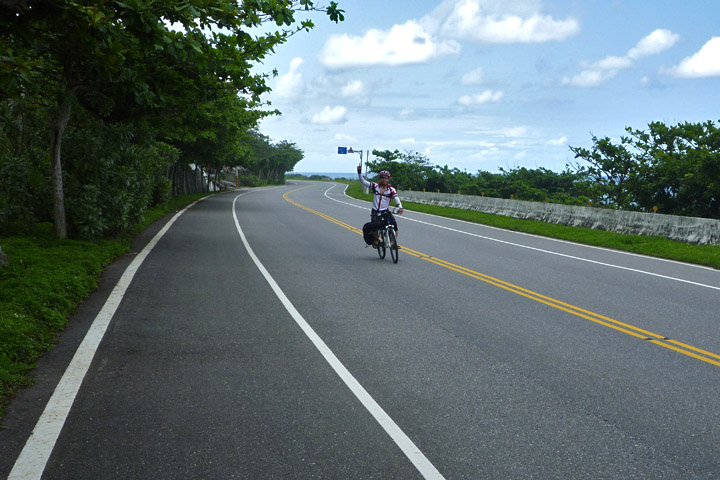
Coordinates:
(249,181)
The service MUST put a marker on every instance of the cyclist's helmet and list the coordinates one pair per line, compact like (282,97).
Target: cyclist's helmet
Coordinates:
(385,173)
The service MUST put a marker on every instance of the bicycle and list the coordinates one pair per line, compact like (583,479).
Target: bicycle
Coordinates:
(386,237)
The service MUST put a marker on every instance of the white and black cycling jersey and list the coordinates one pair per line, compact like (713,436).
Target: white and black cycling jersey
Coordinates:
(381,200)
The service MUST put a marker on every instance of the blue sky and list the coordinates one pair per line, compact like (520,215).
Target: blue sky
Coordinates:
(483,84)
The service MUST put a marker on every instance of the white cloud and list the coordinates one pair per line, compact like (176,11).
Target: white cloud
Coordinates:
(407,114)
(435,35)
(473,78)
(558,141)
(291,85)
(407,140)
(354,88)
(329,116)
(705,63)
(341,137)
(610,63)
(513,132)
(481,98)
(597,73)
(657,42)
(589,78)
(478,148)
(521,155)
(461,143)
(402,45)
(508,132)
(499,22)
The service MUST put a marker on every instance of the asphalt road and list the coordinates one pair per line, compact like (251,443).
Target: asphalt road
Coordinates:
(259,339)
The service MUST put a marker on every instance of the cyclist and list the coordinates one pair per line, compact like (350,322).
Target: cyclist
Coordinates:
(383,192)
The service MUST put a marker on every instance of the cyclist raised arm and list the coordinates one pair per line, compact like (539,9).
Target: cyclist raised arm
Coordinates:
(383,192)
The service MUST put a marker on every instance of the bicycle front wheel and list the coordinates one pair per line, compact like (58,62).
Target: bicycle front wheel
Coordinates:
(382,242)
(392,245)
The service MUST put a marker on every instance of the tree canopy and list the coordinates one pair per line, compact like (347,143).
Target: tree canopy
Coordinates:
(672,169)
(159,76)
(414,171)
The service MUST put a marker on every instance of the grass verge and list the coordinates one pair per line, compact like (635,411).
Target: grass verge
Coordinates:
(46,280)
(708,255)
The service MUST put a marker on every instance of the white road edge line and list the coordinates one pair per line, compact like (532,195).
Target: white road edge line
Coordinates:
(550,252)
(413,453)
(36,452)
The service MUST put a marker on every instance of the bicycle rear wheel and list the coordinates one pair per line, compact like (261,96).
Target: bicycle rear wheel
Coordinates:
(392,245)
(381,244)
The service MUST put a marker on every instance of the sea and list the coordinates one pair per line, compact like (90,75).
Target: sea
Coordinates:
(332,175)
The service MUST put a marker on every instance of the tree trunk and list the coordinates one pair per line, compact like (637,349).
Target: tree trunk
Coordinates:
(57,130)
(4,260)
(173,180)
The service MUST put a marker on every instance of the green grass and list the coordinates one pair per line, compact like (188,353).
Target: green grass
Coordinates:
(708,255)
(46,280)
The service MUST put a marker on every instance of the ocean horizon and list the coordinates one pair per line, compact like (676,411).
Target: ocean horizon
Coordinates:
(332,175)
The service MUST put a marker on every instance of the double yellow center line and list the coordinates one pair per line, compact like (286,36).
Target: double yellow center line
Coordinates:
(626,328)
(657,339)
(320,214)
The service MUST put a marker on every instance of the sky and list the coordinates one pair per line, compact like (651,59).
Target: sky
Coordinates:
(481,85)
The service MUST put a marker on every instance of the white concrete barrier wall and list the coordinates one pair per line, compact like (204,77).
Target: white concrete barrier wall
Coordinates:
(686,229)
